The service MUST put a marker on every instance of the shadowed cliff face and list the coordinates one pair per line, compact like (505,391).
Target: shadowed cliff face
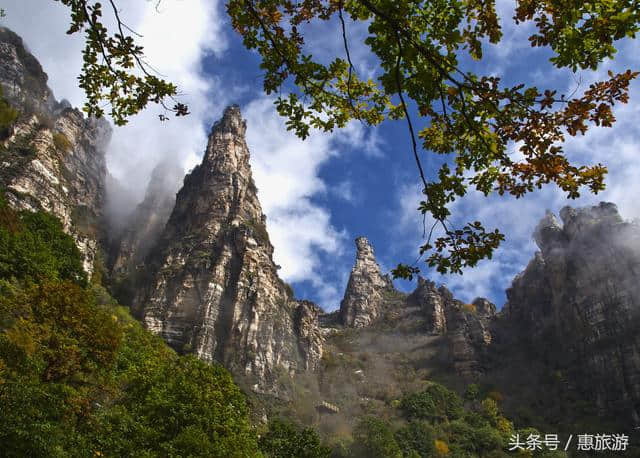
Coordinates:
(575,310)
(52,157)
(212,287)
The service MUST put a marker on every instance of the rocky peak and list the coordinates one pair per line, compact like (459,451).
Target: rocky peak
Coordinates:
(227,151)
(577,223)
(548,232)
(432,303)
(363,298)
(576,220)
(213,287)
(466,328)
(231,122)
(484,307)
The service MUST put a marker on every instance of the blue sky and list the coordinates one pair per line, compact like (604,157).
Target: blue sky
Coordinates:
(321,193)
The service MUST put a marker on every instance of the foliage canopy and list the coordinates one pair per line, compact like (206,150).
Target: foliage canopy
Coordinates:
(471,120)
(114,70)
(284,439)
(80,377)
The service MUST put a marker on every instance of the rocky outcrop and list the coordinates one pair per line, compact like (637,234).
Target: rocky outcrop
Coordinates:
(576,307)
(364,296)
(371,299)
(24,82)
(52,157)
(465,327)
(306,322)
(432,303)
(148,220)
(212,286)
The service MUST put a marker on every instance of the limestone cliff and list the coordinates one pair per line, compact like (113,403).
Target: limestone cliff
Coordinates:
(52,157)
(212,287)
(364,296)
(200,273)
(576,307)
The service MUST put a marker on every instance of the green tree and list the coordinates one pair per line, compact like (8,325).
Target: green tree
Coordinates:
(114,70)
(416,437)
(8,115)
(33,245)
(284,439)
(472,119)
(421,48)
(435,403)
(374,437)
(80,377)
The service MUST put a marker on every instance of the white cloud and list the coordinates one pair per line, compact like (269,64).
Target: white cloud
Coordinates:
(344,191)
(286,170)
(176,39)
(618,148)
(182,34)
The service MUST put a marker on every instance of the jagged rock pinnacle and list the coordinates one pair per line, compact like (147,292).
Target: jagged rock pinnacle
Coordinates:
(214,289)
(548,232)
(227,150)
(231,122)
(364,251)
(363,298)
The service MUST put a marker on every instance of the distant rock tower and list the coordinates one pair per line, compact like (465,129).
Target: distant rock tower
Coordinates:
(363,299)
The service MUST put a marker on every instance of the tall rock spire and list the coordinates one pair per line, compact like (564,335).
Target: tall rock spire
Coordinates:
(213,287)
(363,297)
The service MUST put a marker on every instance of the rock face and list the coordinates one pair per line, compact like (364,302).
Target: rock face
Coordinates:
(24,82)
(364,296)
(370,298)
(208,284)
(52,158)
(148,220)
(212,287)
(465,327)
(576,307)
(432,301)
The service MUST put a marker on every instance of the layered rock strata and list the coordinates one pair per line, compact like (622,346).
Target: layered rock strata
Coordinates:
(370,299)
(212,286)
(465,327)
(51,157)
